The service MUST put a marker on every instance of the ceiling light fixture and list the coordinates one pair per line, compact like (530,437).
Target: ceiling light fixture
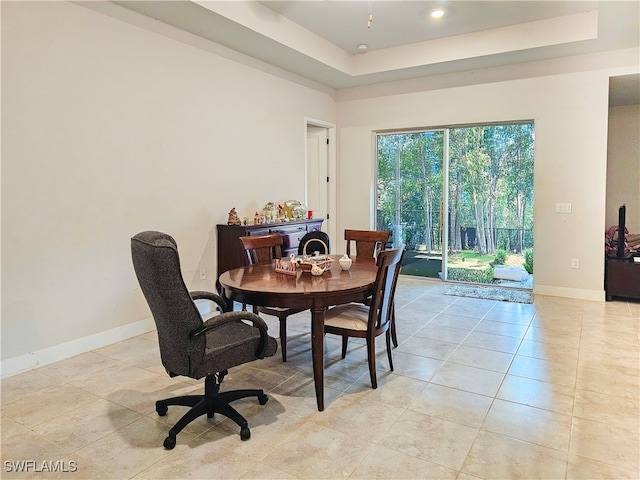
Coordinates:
(362,47)
(437,13)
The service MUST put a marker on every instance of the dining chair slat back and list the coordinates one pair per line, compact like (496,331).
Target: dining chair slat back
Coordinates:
(368,243)
(262,248)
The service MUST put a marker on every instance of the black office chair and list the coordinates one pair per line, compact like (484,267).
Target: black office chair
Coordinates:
(314,241)
(191,347)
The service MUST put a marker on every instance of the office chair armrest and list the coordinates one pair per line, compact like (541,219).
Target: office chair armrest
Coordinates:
(214,297)
(236,316)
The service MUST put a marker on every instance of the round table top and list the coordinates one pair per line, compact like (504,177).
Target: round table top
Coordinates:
(262,285)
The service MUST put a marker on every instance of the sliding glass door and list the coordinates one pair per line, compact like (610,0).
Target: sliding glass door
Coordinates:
(410,197)
(469,188)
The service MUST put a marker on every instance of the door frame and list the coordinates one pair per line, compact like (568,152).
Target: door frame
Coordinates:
(444,199)
(446,163)
(329,223)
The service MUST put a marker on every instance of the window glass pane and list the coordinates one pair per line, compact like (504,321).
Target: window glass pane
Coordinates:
(490,199)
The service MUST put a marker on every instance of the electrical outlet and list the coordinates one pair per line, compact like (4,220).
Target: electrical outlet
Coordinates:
(563,208)
(575,263)
(203,274)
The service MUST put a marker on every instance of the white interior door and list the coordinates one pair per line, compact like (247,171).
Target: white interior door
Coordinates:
(317,171)
(320,191)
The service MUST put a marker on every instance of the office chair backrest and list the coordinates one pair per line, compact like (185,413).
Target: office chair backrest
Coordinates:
(381,308)
(368,242)
(262,248)
(313,244)
(157,266)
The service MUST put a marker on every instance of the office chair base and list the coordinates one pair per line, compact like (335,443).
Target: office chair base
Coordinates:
(210,403)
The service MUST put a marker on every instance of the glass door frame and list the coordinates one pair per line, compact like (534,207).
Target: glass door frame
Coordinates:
(444,223)
(445,219)
(445,205)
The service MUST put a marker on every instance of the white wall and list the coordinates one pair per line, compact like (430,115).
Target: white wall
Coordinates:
(623,166)
(570,113)
(109,129)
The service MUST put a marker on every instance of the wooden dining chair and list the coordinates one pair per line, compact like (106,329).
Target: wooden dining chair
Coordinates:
(264,249)
(370,321)
(369,243)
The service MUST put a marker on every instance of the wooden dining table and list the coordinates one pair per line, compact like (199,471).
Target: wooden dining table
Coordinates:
(261,285)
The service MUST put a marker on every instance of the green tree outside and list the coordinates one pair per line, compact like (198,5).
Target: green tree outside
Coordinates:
(490,187)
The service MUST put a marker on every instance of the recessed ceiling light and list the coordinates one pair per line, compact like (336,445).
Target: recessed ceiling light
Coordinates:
(437,13)
(363,47)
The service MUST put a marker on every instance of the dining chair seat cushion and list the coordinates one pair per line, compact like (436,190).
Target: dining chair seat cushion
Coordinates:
(352,316)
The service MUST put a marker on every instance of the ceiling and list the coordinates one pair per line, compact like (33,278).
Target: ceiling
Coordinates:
(318,39)
(395,23)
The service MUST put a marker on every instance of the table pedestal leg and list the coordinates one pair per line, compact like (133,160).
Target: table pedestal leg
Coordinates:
(317,351)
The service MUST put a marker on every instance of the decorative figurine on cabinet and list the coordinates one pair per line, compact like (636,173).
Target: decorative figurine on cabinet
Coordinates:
(233,217)
(270,212)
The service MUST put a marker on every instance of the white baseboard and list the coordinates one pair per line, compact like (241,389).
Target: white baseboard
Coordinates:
(39,358)
(577,293)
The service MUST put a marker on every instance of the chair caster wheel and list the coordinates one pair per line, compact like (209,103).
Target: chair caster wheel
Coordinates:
(169,442)
(245,433)
(263,399)
(161,409)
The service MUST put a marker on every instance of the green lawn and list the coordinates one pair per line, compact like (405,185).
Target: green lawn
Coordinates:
(466,266)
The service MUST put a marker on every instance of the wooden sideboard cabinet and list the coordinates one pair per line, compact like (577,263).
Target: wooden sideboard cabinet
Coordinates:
(622,278)
(230,252)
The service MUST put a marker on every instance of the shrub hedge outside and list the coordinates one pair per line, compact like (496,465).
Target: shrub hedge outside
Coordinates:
(471,275)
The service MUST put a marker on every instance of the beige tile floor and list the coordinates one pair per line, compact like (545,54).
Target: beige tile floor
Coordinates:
(481,389)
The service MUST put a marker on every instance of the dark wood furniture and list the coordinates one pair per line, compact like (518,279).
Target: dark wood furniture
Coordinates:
(621,274)
(261,285)
(370,321)
(368,242)
(232,255)
(264,249)
(622,278)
